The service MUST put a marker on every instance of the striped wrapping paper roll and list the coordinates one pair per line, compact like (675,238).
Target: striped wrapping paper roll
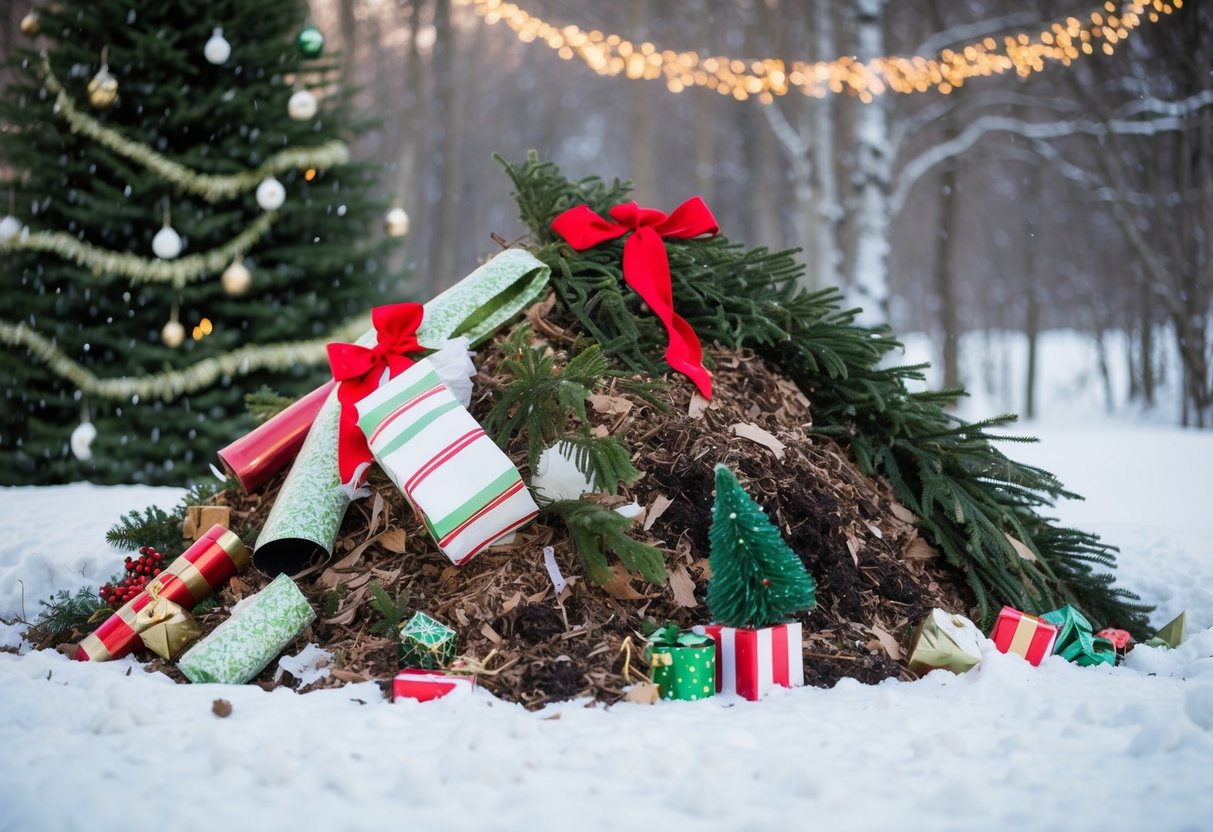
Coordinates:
(1023,634)
(464,488)
(749,662)
(207,565)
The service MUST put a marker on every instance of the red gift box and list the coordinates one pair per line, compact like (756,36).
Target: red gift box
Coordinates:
(1023,634)
(424,685)
(268,448)
(750,662)
(207,565)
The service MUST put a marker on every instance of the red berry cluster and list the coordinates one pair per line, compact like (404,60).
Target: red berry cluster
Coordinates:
(138,573)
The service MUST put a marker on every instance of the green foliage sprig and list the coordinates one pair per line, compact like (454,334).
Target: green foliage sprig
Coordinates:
(392,610)
(595,530)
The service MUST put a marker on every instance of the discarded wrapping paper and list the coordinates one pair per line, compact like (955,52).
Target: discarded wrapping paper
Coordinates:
(1172,634)
(945,641)
(464,488)
(260,627)
(1075,641)
(425,685)
(203,568)
(268,448)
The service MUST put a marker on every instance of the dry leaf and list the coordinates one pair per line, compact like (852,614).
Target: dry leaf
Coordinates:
(698,405)
(376,515)
(332,576)
(350,608)
(511,602)
(238,587)
(902,513)
(660,504)
(348,675)
(620,586)
(537,597)
(747,430)
(1020,549)
(612,405)
(874,529)
(643,693)
(887,641)
(853,546)
(919,549)
(683,587)
(394,540)
(489,633)
(600,431)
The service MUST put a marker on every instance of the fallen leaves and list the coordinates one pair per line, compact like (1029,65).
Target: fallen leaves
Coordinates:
(683,587)
(1021,549)
(751,431)
(885,640)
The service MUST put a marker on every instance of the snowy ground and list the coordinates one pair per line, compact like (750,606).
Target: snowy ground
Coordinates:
(1007,746)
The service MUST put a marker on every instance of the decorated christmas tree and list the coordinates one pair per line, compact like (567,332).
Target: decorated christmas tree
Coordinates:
(756,580)
(184,227)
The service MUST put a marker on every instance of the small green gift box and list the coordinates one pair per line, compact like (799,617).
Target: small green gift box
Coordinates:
(426,644)
(1075,640)
(682,665)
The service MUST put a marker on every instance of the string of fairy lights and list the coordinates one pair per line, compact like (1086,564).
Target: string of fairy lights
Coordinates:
(1063,42)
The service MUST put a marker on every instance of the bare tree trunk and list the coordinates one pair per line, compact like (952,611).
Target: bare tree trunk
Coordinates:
(705,129)
(825,255)
(643,163)
(1032,293)
(349,42)
(945,278)
(445,158)
(869,283)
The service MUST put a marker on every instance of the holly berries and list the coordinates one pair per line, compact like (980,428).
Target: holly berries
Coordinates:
(138,573)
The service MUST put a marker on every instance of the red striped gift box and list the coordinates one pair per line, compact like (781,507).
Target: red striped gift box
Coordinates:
(207,565)
(749,662)
(463,487)
(424,685)
(1023,634)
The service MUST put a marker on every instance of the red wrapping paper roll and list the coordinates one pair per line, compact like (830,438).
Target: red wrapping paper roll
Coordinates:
(267,449)
(207,565)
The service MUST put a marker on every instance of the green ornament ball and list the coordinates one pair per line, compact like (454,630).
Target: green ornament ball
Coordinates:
(311,42)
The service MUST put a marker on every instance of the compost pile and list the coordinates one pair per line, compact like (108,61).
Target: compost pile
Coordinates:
(875,576)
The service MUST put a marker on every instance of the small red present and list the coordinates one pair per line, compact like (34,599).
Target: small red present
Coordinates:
(750,662)
(1023,634)
(205,566)
(1120,638)
(424,685)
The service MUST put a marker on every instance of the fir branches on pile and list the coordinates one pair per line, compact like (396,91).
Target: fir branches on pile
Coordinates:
(979,507)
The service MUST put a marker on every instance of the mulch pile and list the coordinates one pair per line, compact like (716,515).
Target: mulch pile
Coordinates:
(875,576)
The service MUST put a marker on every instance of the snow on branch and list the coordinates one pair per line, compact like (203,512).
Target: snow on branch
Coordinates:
(920,165)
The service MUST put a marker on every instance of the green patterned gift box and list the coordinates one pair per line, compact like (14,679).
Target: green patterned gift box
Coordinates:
(426,643)
(260,628)
(683,665)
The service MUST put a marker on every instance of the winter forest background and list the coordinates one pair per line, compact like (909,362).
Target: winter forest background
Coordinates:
(1076,198)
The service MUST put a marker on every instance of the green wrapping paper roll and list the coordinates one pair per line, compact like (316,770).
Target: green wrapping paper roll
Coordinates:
(303,524)
(484,300)
(307,514)
(241,647)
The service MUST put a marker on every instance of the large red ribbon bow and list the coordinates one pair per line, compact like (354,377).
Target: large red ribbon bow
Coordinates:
(646,268)
(358,371)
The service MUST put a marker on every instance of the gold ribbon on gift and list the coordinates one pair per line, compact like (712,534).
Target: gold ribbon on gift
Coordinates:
(661,660)
(165,628)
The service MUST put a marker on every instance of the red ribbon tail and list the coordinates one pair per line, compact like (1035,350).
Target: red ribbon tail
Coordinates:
(353,452)
(685,355)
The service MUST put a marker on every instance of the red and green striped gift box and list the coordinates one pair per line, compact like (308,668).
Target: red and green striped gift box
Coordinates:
(464,488)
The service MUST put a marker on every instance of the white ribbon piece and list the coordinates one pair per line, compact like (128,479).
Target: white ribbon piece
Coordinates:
(549,560)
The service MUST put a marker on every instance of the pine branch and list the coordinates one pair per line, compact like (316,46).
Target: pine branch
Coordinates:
(66,617)
(604,460)
(266,404)
(392,610)
(595,530)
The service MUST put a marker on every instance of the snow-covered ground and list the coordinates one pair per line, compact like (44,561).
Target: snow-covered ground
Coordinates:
(1007,746)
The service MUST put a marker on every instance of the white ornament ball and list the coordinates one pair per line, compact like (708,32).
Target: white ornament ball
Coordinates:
(271,194)
(10,227)
(557,477)
(173,335)
(217,49)
(82,440)
(301,106)
(396,223)
(236,279)
(167,243)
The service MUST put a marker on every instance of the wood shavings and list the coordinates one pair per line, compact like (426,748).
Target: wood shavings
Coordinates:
(751,431)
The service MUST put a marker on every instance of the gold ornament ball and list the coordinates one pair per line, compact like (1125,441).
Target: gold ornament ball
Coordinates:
(236,279)
(173,335)
(103,89)
(396,223)
(31,26)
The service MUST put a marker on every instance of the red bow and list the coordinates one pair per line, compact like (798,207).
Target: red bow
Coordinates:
(359,371)
(646,268)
